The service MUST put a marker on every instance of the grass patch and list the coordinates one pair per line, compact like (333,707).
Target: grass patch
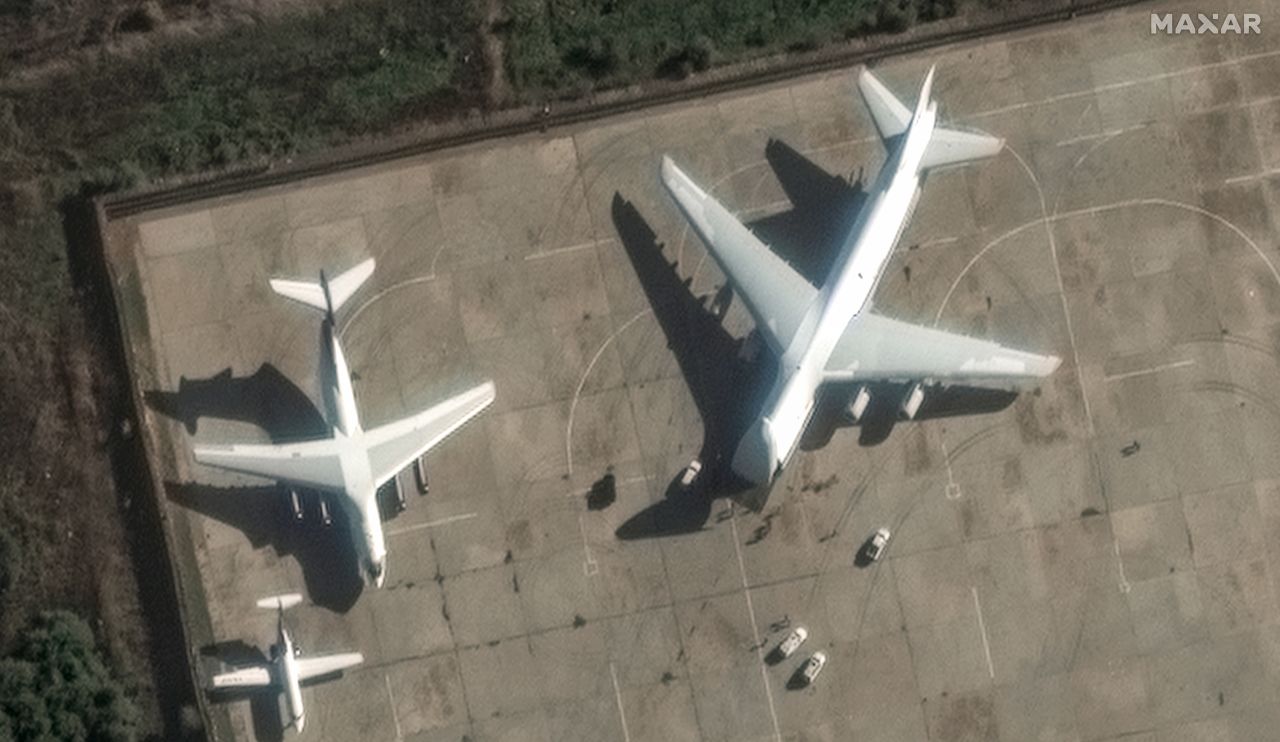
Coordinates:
(261,91)
(554,47)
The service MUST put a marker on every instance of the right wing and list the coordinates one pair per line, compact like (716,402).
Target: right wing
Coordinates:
(774,293)
(245,677)
(314,667)
(876,348)
(394,446)
(311,463)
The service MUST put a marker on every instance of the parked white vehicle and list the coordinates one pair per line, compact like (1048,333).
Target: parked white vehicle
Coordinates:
(813,667)
(875,547)
(793,641)
(690,474)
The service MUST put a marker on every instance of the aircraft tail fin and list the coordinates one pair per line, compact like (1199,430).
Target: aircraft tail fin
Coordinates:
(946,146)
(327,296)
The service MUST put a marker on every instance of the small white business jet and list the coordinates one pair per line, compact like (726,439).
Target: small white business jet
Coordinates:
(355,462)
(830,334)
(287,671)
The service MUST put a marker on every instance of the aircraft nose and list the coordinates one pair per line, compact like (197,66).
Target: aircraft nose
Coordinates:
(755,459)
(375,572)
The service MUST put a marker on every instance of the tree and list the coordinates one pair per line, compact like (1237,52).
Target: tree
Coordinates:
(56,686)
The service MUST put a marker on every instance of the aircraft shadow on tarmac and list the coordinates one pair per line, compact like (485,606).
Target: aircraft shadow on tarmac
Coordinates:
(264,706)
(729,391)
(269,400)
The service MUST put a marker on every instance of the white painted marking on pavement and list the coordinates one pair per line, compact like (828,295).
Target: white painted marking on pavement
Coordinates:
(431,524)
(982,627)
(1151,370)
(617,695)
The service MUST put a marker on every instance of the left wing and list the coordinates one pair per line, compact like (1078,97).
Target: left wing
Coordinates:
(777,297)
(311,463)
(876,348)
(314,667)
(245,677)
(394,446)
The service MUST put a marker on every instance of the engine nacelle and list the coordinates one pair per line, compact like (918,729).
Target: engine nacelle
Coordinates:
(912,401)
(858,403)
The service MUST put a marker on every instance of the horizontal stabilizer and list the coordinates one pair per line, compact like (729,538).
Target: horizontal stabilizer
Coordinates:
(952,147)
(891,116)
(946,146)
(339,289)
(280,602)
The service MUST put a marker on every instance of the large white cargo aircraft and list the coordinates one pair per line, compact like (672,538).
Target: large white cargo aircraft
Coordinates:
(354,463)
(830,334)
(287,670)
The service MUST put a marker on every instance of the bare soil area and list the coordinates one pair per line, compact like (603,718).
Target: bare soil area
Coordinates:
(43,36)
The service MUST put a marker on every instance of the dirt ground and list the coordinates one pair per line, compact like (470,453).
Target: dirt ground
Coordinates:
(42,36)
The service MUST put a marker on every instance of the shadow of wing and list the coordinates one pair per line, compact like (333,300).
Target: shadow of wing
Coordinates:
(325,554)
(266,398)
(823,210)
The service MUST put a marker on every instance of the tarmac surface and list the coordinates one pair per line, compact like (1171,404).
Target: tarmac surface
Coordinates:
(1096,558)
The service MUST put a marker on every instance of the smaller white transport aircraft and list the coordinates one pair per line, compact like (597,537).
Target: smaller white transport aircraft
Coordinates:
(287,671)
(352,464)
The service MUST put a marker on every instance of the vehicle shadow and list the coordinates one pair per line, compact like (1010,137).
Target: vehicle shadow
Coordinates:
(264,705)
(326,554)
(796,681)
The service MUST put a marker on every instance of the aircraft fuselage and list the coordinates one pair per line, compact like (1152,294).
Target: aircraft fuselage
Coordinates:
(288,668)
(856,272)
(359,500)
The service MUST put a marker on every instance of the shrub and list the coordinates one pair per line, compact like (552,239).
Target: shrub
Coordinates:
(56,686)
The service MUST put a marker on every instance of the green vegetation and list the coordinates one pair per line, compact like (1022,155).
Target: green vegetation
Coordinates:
(10,564)
(55,686)
(557,46)
(263,90)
